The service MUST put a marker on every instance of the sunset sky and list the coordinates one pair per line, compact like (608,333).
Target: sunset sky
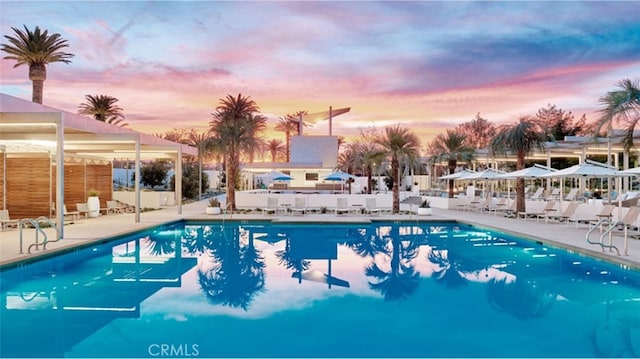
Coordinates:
(428,65)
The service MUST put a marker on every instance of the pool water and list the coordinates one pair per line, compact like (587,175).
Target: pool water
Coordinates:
(257,289)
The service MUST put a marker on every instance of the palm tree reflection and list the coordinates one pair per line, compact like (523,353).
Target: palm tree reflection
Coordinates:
(237,274)
(402,279)
(520,298)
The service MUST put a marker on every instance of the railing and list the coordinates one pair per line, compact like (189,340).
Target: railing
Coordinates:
(38,230)
(607,232)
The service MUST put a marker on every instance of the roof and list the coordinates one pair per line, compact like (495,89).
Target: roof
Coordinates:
(23,122)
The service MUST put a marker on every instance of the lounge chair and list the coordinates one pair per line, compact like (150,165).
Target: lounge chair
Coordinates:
(566,214)
(299,206)
(342,206)
(628,222)
(272,206)
(600,219)
(571,196)
(537,195)
(500,205)
(6,221)
(548,208)
(370,206)
(83,209)
(113,207)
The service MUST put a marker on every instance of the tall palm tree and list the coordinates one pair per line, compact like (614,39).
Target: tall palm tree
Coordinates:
(235,126)
(622,105)
(520,138)
(103,108)
(199,140)
(288,125)
(451,147)
(36,49)
(275,147)
(400,145)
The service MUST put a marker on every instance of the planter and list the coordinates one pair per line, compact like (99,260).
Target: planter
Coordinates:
(212,210)
(94,206)
(422,211)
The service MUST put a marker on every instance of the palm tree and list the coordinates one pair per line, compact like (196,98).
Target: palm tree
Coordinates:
(520,138)
(451,147)
(275,147)
(288,125)
(236,127)
(400,145)
(103,108)
(36,49)
(622,105)
(199,140)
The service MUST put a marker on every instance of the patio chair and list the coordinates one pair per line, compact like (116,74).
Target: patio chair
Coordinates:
(566,214)
(371,207)
(601,218)
(74,215)
(549,207)
(537,195)
(6,221)
(571,196)
(499,206)
(299,206)
(272,206)
(83,209)
(342,206)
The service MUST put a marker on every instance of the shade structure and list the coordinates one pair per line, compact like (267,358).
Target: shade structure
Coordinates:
(529,172)
(630,172)
(275,176)
(456,175)
(486,174)
(338,176)
(583,170)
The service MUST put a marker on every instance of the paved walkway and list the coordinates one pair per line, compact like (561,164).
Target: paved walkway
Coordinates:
(92,230)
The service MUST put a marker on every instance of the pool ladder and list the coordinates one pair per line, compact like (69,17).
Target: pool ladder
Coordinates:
(601,243)
(39,230)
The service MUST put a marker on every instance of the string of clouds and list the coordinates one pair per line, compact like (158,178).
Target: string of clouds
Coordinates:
(428,65)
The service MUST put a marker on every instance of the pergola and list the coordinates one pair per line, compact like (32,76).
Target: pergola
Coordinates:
(30,131)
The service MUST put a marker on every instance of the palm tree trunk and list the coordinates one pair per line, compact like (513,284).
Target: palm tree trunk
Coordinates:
(520,200)
(369,179)
(37,75)
(395,189)
(452,169)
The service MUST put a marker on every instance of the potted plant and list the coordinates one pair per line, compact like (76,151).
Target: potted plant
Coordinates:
(93,203)
(213,207)
(425,208)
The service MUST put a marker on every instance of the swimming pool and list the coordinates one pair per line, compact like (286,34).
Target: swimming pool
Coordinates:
(260,289)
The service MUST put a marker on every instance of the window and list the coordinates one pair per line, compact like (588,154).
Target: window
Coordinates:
(311,176)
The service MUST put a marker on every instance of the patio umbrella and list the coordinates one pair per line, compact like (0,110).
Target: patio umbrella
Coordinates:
(488,174)
(589,169)
(275,176)
(530,172)
(339,176)
(457,175)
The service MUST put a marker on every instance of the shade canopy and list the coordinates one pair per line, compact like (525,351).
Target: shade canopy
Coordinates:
(462,173)
(339,176)
(584,170)
(489,173)
(529,172)
(275,176)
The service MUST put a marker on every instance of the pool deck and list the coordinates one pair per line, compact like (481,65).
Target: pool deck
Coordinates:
(91,230)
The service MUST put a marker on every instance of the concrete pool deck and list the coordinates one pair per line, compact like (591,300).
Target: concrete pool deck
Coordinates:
(89,230)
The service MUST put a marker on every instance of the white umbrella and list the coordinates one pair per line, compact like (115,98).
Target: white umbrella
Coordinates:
(530,172)
(457,175)
(583,170)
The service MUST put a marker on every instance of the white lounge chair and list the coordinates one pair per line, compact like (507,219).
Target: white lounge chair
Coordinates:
(83,209)
(342,206)
(299,206)
(272,206)
(548,208)
(566,214)
(6,221)
(371,207)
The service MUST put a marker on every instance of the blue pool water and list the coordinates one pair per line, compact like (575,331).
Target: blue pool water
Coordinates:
(256,289)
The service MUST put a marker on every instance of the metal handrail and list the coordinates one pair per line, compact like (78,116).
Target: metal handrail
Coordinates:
(36,225)
(608,231)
